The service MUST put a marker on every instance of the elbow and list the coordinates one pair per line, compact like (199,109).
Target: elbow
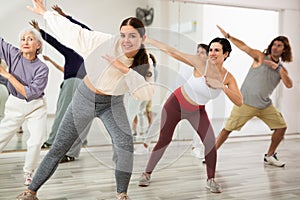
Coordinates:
(31,96)
(289,85)
(288,82)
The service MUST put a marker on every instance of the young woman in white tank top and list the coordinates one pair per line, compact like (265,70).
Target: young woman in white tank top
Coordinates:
(210,78)
(198,92)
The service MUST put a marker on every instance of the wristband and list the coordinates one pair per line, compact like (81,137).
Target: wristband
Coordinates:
(227,36)
(279,67)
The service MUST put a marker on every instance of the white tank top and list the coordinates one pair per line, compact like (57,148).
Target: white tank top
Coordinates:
(198,91)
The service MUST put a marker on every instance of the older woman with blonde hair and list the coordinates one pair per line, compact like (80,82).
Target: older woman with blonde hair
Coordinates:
(27,78)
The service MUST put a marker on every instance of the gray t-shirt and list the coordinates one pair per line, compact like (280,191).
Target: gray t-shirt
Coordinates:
(258,86)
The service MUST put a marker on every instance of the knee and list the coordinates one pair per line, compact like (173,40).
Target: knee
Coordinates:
(284,129)
(124,146)
(280,132)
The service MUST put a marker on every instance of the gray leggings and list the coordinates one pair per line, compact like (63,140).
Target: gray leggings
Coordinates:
(84,107)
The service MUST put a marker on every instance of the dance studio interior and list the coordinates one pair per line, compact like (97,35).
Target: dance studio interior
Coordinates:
(180,175)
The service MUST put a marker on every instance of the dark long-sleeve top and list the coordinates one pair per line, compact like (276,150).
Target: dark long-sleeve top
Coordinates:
(74,63)
(3,80)
(77,22)
(33,74)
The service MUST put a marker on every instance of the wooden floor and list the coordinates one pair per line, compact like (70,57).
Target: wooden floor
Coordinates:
(179,176)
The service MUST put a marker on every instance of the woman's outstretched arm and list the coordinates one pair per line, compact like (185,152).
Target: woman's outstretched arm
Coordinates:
(189,59)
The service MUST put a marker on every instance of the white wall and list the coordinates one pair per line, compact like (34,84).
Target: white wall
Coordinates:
(289,99)
(259,4)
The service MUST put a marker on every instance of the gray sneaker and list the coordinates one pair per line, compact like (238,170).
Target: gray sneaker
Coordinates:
(144,180)
(273,160)
(213,186)
(27,196)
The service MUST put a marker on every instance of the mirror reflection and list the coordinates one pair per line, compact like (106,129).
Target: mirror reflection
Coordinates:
(187,25)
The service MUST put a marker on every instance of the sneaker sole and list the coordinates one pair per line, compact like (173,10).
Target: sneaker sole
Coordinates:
(68,159)
(208,188)
(144,184)
(266,163)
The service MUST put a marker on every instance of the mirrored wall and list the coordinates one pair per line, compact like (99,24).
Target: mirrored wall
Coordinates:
(187,23)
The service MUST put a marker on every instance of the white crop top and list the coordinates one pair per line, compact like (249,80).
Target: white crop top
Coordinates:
(198,91)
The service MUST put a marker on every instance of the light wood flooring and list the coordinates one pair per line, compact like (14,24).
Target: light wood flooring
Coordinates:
(179,176)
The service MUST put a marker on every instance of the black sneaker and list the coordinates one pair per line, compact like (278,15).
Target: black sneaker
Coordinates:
(67,159)
(46,145)
(85,143)
(20,130)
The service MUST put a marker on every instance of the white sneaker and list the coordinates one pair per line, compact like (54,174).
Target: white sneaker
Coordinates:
(213,186)
(273,160)
(28,178)
(141,150)
(144,180)
(197,152)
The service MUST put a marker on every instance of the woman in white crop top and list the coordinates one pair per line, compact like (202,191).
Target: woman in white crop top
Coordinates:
(114,65)
(209,79)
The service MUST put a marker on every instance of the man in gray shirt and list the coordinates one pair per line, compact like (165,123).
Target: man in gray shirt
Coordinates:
(264,75)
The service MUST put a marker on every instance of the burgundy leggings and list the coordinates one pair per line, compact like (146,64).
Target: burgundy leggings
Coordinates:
(175,109)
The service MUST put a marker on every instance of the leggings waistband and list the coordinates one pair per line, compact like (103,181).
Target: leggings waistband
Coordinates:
(184,103)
